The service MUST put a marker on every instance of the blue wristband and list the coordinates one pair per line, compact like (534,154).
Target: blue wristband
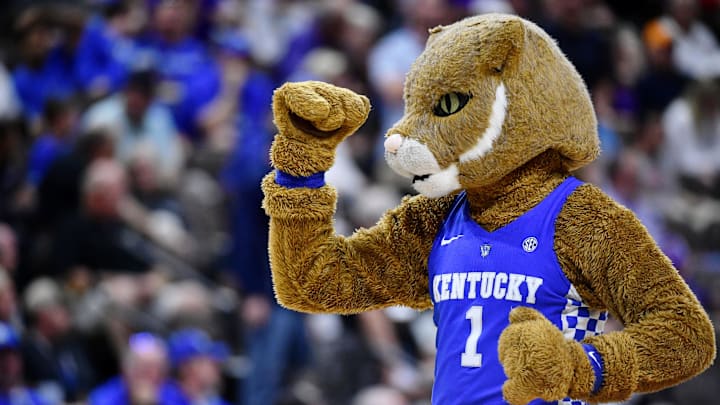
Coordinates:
(596,361)
(316,180)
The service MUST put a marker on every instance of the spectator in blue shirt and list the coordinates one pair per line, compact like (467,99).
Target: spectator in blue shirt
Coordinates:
(144,376)
(197,360)
(60,119)
(12,389)
(46,70)
(108,50)
(190,79)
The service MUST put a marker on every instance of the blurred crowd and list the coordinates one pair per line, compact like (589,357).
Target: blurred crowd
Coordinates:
(134,135)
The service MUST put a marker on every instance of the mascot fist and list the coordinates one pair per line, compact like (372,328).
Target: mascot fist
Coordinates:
(540,363)
(312,119)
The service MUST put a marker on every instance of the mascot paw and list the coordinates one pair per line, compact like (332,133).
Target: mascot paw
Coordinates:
(538,361)
(317,109)
(312,119)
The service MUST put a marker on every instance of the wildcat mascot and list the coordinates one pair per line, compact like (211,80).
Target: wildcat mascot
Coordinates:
(520,262)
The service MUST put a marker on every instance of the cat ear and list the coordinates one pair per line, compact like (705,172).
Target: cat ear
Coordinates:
(500,46)
(499,40)
(432,34)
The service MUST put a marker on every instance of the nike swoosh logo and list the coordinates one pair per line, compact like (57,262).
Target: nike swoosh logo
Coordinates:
(451,240)
(592,356)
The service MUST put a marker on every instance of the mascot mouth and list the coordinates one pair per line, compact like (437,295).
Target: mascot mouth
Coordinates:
(414,160)
(437,184)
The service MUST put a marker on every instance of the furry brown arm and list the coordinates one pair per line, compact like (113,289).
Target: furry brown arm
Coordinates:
(315,270)
(615,264)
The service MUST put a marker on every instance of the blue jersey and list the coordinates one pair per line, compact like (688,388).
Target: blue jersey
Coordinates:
(52,80)
(477,277)
(190,80)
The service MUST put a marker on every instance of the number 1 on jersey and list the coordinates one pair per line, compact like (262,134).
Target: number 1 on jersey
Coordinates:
(470,357)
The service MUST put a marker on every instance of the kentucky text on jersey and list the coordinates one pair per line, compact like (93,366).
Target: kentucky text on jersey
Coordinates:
(485,284)
(476,277)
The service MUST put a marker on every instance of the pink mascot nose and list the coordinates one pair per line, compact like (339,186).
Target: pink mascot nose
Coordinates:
(393,142)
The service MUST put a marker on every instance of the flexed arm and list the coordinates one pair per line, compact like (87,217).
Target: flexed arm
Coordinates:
(668,338)
(313,269)
(614,263)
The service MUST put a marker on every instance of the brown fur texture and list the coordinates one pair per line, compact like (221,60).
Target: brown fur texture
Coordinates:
(315,270)
(520,55)
(544,344)
(550,128)
(334,112)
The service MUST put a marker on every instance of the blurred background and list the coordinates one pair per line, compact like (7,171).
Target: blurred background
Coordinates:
(133,137)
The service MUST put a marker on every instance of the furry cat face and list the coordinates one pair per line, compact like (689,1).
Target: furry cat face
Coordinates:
(488,94)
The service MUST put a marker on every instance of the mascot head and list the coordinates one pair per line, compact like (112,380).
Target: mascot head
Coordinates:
(488,94)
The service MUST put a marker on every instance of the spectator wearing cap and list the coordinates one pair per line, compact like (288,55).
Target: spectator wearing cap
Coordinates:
(197,361)
(56,362)
(12,389)
(138,122)
(144,379)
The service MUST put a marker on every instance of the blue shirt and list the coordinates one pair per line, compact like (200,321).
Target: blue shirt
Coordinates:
(54,79)
(104,55)
(115,392)
(477,277)
(241,177)
(190,80)
(43,153)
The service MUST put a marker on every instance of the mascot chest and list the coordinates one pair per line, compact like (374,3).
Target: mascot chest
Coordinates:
(477,277)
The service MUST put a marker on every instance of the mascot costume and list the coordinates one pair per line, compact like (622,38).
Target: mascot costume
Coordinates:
(520,262)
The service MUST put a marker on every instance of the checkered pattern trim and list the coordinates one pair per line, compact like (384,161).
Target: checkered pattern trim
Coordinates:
(578,320)
(568,401)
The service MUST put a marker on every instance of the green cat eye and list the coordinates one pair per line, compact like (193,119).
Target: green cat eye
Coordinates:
(451,103)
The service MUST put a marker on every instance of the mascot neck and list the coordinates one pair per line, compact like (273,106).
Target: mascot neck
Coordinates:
(498,204)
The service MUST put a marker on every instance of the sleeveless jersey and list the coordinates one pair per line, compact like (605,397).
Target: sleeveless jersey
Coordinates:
(476,277)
